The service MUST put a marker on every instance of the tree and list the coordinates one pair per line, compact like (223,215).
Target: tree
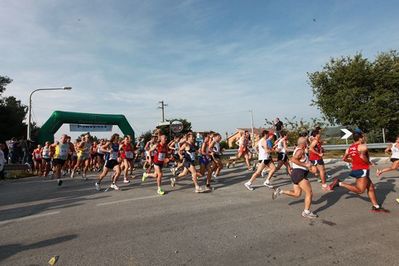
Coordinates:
(354,92)
(12,114)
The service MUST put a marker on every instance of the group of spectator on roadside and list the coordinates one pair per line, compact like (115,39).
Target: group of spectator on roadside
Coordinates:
(15,151)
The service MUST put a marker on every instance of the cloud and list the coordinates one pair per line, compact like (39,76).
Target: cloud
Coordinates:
(210,62)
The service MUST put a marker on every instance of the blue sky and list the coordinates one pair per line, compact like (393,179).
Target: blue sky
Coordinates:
(211,61)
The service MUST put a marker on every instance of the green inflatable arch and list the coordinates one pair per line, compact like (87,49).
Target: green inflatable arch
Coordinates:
(58,118)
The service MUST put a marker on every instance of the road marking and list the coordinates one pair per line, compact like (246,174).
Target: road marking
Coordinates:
(127,200)
(30,217)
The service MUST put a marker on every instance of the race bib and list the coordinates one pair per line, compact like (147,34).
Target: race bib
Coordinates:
(129,154)
(113,155)
(161,156)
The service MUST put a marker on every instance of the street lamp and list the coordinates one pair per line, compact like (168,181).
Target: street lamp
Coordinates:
(30,106)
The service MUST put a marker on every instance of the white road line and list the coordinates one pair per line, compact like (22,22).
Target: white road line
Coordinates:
(127,200)
(30,217)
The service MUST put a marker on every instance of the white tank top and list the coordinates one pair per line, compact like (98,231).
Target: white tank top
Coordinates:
(263,155)
(280,146)
(395,152)
(305,159)
(216,148)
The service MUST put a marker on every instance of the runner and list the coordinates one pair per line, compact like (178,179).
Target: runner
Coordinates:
(62,149)
(149,154)
(37,160)
(100,155)
(93,156)
(264,161)
(160,151)
(216,155)
(111,163)
(282,152)
(301,167)
(174,146)
(316,153)
(188,151)
(394,149)
(205,161)
(127,155)
(46,158)
(358,155)
(243,148)
(83,152)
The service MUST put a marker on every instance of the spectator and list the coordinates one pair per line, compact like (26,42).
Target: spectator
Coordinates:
(278,126)
(2,160)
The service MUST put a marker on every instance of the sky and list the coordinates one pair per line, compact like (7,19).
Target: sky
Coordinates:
(210,61)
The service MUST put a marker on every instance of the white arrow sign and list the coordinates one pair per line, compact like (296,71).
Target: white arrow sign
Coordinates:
(347,133)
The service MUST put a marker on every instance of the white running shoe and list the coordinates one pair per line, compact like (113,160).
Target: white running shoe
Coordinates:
(173,181)
(267,184)
(114,186)
(72,173)
(248,186)
(126,181)
(199,189)
(264,172)
(98,186)
(309,215)
(276,193)
(84,177)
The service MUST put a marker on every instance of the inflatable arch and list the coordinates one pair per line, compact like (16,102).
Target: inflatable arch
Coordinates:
(58,118)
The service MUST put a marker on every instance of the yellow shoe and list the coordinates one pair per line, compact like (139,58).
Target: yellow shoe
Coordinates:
(160,191)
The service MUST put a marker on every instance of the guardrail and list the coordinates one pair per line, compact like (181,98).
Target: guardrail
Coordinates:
(232,152)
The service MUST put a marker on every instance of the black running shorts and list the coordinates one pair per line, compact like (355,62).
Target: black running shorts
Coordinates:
(297,175)
(110,164)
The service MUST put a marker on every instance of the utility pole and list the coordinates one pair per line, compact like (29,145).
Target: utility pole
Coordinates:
(162,107)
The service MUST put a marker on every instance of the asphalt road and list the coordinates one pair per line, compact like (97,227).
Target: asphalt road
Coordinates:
(229,226)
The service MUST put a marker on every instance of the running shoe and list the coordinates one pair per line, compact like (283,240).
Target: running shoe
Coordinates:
(126,181)
(379,209)
(114,186)
(199,189)
(248,186)
(397,200)
(227,165)
(59,182)
(72,174)
(97,185)
(145,175)
(263,174)
(309,215)
(329,177)
(84,177)
(325,187)
(276,193)
(208,187)
(334,184)
(160,191)
(173,181)
(267,184)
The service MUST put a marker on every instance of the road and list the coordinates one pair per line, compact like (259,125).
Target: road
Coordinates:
(229,226)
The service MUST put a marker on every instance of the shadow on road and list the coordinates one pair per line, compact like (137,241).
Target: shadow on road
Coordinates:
(7,251)
(46,196)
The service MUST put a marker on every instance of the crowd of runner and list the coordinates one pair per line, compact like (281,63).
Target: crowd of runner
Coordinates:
(202,161)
